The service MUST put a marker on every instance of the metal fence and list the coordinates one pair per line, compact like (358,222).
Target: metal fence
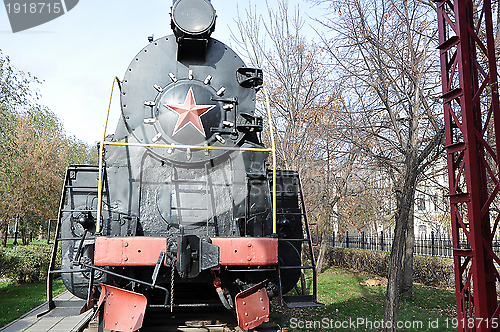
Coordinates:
(425,246)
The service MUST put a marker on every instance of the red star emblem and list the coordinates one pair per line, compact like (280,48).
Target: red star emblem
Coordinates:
(189,113)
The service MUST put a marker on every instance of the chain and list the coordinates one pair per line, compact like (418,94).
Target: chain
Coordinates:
(172,286)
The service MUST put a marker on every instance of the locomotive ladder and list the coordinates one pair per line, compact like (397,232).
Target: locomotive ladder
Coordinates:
(177,182)
(69,186)
(302,299)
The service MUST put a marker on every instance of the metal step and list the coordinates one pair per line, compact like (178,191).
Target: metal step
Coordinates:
(191,191)
(178,208)
(301,301)
(84,168)
(187,181)
(81,211)
(292,240)
(301,267)
(290,213)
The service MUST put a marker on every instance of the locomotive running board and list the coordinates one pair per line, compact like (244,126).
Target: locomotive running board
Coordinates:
(300,301)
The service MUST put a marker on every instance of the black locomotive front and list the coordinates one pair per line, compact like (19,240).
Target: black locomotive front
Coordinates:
(181,209)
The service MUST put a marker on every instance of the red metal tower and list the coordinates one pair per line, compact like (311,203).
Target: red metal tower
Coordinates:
(472,123)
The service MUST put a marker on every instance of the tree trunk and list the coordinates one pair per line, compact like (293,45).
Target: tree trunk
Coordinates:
(3,234)
(40,233)
(24,238)
(321,255)
(407,282)
(394,275)
(406,195)
(303,284)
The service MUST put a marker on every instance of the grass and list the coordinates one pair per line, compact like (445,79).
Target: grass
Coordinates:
(361,308)
(18,299)
(10,242)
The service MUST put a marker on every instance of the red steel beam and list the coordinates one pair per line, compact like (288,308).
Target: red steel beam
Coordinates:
(472,127)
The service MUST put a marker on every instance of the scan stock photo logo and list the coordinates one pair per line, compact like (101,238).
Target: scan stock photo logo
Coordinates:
(25,15)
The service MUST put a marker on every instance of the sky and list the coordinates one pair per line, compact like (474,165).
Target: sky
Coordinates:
(78,54)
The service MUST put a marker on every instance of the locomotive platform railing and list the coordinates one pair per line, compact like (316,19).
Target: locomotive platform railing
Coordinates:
(192,147)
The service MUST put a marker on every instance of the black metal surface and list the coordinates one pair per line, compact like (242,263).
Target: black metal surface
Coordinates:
(194,18)
(151,67)
(194,255)
(249,77)
(160,261)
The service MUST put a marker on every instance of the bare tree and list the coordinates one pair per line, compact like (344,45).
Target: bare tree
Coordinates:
(383,52)
(304,105)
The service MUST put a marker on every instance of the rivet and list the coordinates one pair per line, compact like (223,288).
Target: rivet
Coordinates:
(125,259)
(249,258)
(132,317)
(264,308)
(244,303)
(261,299)
(246,313)
(249,244)
(116,323)
(126,244)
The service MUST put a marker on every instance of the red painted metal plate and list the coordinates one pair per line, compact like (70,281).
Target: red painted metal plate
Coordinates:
(247,251)
(252,306)
(128,251)
(123,310)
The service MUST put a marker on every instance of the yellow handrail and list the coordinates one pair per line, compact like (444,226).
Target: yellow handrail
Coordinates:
(101,149)
(194,147)
(273,151)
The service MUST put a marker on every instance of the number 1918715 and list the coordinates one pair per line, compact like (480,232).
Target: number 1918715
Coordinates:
(33,8)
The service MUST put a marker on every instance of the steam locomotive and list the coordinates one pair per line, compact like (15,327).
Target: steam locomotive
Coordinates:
(179,211)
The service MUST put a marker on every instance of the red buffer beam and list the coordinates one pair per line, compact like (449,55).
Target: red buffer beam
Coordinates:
(472,124)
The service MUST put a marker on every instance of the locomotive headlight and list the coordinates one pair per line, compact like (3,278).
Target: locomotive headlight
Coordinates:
(193,18)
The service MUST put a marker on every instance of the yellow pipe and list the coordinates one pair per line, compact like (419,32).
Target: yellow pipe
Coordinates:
(101,149)
(194,147)
(273,150)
